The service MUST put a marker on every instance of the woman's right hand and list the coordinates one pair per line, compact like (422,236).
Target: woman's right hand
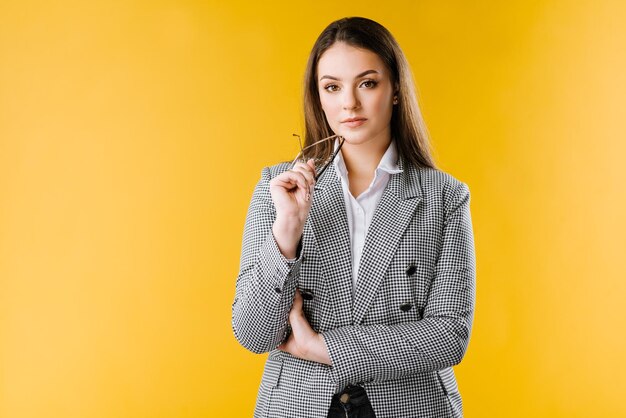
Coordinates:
(292,194)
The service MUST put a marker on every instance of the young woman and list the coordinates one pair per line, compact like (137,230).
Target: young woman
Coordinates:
(358,268)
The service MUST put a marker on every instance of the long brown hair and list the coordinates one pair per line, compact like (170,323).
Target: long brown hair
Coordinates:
(407,124)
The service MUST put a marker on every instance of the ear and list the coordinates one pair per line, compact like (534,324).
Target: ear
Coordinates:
(396,92)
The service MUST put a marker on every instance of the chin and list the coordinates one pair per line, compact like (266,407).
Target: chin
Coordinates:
(354,138)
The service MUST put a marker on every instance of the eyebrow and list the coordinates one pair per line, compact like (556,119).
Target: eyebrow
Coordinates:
(364,73)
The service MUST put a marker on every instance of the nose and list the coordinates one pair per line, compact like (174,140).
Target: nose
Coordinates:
(350,100)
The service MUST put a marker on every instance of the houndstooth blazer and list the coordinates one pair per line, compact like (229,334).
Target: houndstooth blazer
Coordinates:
(413,308)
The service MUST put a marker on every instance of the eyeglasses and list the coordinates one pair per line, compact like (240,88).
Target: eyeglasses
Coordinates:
(321,164)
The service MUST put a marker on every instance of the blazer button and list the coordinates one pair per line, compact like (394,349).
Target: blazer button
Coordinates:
(405,307)
(306,294)
(278,290)
(411,270)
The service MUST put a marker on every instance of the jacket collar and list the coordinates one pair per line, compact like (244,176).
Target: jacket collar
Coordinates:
(388,163)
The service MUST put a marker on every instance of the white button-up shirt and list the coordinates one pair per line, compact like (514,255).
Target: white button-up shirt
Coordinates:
(360,210)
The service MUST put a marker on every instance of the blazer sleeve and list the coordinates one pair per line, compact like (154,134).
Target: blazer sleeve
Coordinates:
(267,280)
(365,353)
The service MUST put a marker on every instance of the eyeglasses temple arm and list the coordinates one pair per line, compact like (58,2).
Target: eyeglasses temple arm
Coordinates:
(318,175)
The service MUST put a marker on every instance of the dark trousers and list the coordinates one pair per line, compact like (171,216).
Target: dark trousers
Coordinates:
(352,402)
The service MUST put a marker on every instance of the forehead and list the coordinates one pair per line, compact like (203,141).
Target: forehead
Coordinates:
(345,61)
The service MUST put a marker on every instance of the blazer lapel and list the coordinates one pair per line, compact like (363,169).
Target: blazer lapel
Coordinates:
(329,223)
(392,216)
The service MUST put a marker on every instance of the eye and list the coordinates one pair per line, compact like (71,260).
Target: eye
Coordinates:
(369,84)
(331,87)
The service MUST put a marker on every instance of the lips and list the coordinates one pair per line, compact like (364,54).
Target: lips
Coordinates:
(353,122)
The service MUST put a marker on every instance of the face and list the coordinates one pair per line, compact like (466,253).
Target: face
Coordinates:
(356,93)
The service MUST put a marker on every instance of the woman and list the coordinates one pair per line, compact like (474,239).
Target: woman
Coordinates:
(358,281)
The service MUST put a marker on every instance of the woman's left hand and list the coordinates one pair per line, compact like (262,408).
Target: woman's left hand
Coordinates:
(303,342)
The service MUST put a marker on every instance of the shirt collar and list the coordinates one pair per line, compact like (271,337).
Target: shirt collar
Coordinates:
(388,163)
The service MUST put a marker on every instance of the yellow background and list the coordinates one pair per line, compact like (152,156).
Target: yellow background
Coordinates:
(131,137)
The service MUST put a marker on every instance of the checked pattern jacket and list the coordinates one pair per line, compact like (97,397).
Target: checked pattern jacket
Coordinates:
(410,319)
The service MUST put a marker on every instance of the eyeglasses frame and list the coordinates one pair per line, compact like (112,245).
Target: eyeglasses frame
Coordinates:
(332,158)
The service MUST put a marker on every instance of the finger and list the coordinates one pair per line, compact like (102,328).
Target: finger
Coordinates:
(310,170)
(297,301)
(291,179)
(296,182)
(307,187)
(311,163)
(306,171)
(285,183)
(309,166)
(299,323)
(302,180)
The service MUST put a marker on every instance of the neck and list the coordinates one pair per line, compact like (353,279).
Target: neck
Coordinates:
(362,159)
